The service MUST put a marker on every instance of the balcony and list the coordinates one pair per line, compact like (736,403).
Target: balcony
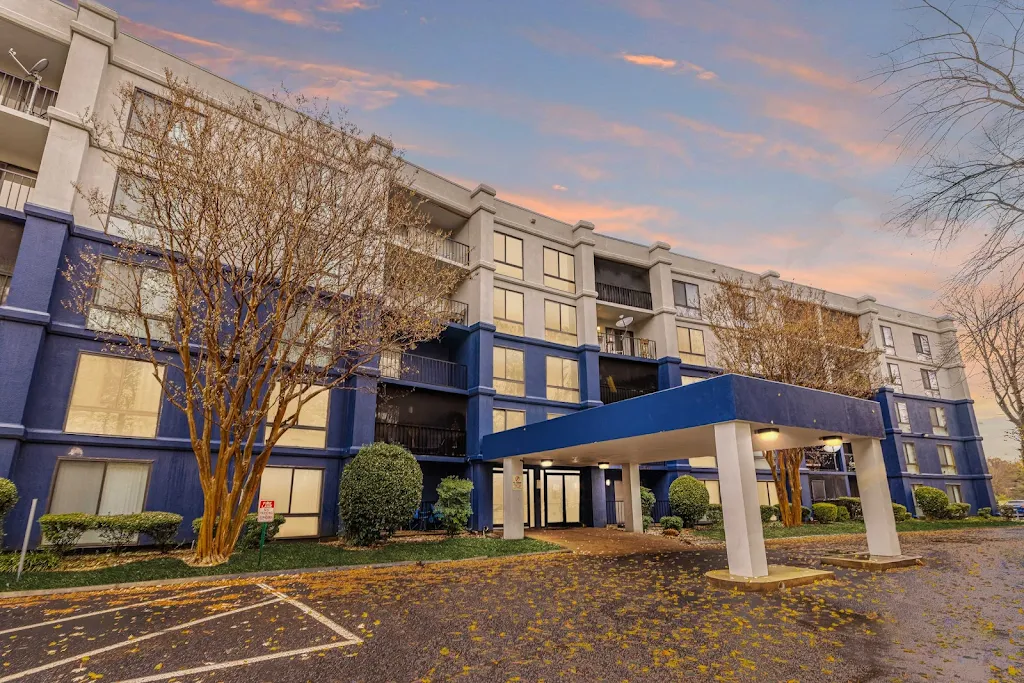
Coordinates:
(627,346)
(5,286)
(14,189)
(611,394)
(443,248)
(624,296)
(423,370)
(455,312)
(423,440)
(818,460)
(22,95)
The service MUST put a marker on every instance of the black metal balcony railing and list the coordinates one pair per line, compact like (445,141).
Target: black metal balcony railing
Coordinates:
(5,286)
(450,250)
(17,93)
(406,366)
(422,440)
(15,189)
(627,346)
(624,296)
(823,461)
(456,312)
(609,395)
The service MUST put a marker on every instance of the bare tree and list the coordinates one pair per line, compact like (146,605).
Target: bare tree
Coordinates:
(990,324)
(959,86)
(786,333)
(263,254)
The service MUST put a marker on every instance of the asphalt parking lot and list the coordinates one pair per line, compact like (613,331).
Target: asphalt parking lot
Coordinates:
(643,614)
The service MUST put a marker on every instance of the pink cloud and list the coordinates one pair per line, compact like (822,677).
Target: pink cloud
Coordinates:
(665,64)
(298,12)
(799,70)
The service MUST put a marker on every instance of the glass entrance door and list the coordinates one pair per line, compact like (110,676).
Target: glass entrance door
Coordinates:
(561,500)
(498,497)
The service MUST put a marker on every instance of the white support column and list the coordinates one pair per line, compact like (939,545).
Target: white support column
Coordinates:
(875,501)
(512,484)
(631,490)
(741,510)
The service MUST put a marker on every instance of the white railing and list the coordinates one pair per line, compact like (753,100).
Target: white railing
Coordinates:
(15,189)
(23,95)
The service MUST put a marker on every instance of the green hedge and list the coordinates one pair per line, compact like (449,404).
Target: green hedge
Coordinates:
(899,512)
(249,539)
(647,501)
(851,504)
(35,561)
(985,513)
(380,491)
(805,513)
(824,513)
(714,514)
(8,499)
(958,510)
(932,501)
(647,522)
(842,514)
(1007,512)
(62,532)
(454,504)
(671,522)
(688,500)
(767,512)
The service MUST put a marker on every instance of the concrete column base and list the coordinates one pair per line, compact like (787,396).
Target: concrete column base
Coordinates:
(779,576)
(872,563)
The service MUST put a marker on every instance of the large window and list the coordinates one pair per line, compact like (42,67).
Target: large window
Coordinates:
(895,380)
(129,298)
(310,430)
(559,270)
(922,346)
(507,419)
(887,341)
(691,346)
(766,493)
(508,255)
(311,326)
(126,217)
(509,371)
(910,453)
(902,416)
(954,493)
(559,323)
(938,418)
(508,311)
(946,459)
(159,111)
(114,396)
(687,298)
(99,487)
(563,379)
(297,493)
(930,380)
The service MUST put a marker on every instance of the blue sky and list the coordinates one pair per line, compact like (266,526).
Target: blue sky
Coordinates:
(741,131)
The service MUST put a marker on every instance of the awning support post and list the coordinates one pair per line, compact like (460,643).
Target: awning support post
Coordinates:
(631,491)
(513,484)
(875,501)
(741,509)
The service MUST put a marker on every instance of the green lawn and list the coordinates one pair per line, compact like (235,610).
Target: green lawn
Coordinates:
(772,531)
(281,555)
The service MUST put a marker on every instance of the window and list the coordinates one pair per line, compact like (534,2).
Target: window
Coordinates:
(714,491)
(552,416)
(151,111)
(895,381)
(310,428)
(508,255)
(114,396)
(910,454)
(954,493)
(509,371)
(508,311)
(305,327)
(687,298)
(563,379)
(887,341)
(946,459)
(297,493)
(129,297)
(691,346)
(917,508)
(923,348)
(903,416)
(507,419)
(559,270)
(938,418)
(766,493)
(686,379)
(559,323)
(704,461)
(930,380)
(127,210)
(99,487)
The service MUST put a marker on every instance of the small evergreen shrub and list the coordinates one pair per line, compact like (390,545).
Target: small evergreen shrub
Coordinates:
(647,501)
(805,513)
(842,514)
(852,505)
(671,522)
(932,501)
(454,503)
(62,532)
(380,490)
(249,538)
(777,512)
(8,499)
(161,527)
(985,513)
(767,512)
(714,514)
(824,513)
(647,521)
(118,531)
(1007,512)
(688,500)
(958,510)
(35,561)
(899,512)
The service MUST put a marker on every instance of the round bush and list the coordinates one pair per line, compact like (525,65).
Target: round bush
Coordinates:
(647,501)
(668,522)
(899,512)
(689,500)
(985,513)
(380,490)
(824,513)
(851,504)
(454,504)
(62,532)
(767,512)
(958,510)
(805,513)
(8,499)
(842,514)
(648,521)
(715,514)
(932,501)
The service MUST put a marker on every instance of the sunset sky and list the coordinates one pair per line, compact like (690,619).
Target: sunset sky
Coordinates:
(740,131)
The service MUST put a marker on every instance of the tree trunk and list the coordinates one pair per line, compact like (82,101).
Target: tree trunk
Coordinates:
(785,465)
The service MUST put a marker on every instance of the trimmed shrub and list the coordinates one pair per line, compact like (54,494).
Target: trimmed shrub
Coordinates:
(689,500)
(670,532)
(161,527)
(714,514)
(824,513)
(647,501)
(8,499)
(842,514)
(249,539)
(777,512)
(454,503)
(1007,511)
(648,521)
(985,513)
(767,512)
(669,522)
(62,532)
(380,491)
(805,513)
(899,512)
(851,504)
(958,510)
(932,501)
(36,561)
(118,531)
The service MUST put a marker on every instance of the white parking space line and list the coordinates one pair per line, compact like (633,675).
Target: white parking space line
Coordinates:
(316,615)
(238,662)
(112,609)
(133,641)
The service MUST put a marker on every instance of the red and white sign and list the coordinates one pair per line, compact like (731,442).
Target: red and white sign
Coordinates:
(265,513)
(517,482)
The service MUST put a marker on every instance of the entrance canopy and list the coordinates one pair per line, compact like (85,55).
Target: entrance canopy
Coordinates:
(679,423)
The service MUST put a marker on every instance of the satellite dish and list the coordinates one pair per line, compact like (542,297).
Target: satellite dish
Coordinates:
(40,66)
(624,322)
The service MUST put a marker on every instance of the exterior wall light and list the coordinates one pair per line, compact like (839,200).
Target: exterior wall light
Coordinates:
(603,465)
(832,440)
(768,433)
(547,463)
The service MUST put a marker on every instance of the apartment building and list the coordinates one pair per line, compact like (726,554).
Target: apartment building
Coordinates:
(552,319)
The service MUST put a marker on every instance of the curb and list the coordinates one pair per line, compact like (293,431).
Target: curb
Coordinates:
(247,575)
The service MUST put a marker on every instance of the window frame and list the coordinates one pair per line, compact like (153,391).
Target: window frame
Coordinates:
(298,427)
(291,496)
(506,411)
(686,356)
(561,283)
(939,423)
(520,384)
(900,422)
(923,346)
(508,321)
(171,320)
(106,461)
(684,309)
(913,465)
(889,345)
(510,267)
(927,377)
(561,375)
(949,466)
(895,379)
(958,497)
(159,100)
(74,382)
(561,323)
